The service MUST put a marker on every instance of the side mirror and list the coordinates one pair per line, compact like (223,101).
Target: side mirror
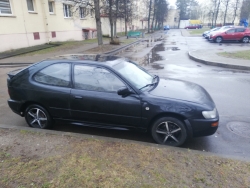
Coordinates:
(124,91)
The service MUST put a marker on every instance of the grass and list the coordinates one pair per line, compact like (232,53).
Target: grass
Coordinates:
(64,46)
(197,31)
(78,162)
(237,55)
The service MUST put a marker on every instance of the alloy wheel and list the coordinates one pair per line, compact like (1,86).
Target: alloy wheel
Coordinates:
(168,132)
(245,40)
(218,39)
(37,118)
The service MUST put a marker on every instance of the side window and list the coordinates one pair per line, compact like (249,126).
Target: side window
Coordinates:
(96,79)
(56,75)
(240,30)
(231,31)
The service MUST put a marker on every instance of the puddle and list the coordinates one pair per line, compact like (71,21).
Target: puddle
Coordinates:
(172,48)
(157,66)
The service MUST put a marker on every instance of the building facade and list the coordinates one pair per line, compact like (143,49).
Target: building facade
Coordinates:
(27,23)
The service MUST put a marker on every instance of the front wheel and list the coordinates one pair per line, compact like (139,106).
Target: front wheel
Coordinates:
(36,116)
(169,131)
(218,39)
(245,39)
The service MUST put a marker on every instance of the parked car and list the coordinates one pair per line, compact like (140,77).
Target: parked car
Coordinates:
(206,33)
(234,34)
(111,92)
(197,26)
(223,28)
(166,27)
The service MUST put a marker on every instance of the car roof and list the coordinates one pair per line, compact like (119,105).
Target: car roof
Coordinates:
(95,59)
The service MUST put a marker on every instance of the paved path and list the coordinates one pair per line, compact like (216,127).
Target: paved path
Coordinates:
(210,56)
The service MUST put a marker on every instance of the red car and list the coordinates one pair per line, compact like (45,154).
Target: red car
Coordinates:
(235,34)
(193,27)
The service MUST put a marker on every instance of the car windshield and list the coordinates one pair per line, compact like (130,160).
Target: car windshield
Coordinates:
(135,75)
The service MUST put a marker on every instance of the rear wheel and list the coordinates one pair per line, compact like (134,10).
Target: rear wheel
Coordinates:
(169,131)
(218,39)
(245,40)
(36,116)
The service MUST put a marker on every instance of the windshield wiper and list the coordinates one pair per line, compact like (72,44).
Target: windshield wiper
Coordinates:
(153,83)
(147,85)
(155,76)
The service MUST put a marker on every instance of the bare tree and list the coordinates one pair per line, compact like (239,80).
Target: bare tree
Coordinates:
(149,14)
(226,2)
(245,9)
(218,2)
(94,5)
(98,22)
(235,8)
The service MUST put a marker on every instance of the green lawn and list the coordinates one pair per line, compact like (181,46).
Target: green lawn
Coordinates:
(198,31)
(237,55)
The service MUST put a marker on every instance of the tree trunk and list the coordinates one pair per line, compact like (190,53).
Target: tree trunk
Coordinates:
(111,21)
(225,15)
(98,22)
(153,18)
(217,12)
(235,10)
(149,12)
(126,20)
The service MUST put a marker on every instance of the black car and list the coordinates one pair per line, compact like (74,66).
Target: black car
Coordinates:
(111,92)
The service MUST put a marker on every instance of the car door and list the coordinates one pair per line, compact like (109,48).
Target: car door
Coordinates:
(51,88)
(229,34)
(94,98)
(239,33)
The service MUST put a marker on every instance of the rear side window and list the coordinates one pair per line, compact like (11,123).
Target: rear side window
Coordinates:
(56,75)
(240,30)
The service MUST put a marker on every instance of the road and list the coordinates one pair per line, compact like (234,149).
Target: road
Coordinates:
(229,88)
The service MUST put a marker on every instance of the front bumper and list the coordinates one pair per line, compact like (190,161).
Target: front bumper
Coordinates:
(203,127)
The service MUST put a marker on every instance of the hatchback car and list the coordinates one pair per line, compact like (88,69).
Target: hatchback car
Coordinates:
(107,91)
(233,34)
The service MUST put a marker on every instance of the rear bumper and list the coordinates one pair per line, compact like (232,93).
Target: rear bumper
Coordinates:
(15,106)
(203,127)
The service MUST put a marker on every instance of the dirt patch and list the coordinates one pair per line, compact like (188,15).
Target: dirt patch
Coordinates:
(102,49)
(30,159)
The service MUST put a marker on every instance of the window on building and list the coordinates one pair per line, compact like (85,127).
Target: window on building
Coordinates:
(67,11)
(51,7)
(30,5)
(82,12)
(5,7)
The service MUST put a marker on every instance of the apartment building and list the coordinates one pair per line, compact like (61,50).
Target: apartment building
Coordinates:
(27,23)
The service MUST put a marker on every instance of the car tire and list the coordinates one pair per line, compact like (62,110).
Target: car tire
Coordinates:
(218,39)
(169,131)
(245,40)
(37,117)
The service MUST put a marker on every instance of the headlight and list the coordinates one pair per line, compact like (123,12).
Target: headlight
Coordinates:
(209,114)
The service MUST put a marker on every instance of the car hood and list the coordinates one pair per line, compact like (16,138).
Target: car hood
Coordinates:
(182,90)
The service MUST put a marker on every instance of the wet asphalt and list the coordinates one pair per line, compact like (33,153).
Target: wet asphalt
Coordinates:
(229,88)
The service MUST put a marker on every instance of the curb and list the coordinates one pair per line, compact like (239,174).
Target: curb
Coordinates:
(87,136)
(218,64)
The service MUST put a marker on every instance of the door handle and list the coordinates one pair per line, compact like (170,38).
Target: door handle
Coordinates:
(78,97)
